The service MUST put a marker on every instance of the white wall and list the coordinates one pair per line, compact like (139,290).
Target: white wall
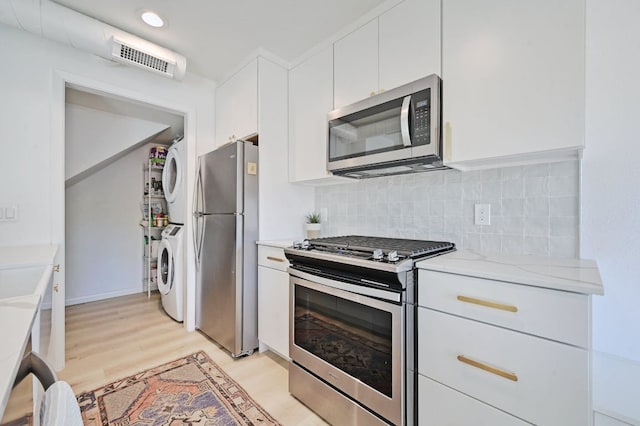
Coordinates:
(610,202)
(104,244)
(32,122)
(93,136)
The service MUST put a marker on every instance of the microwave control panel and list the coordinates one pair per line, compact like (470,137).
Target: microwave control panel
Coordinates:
(421,117)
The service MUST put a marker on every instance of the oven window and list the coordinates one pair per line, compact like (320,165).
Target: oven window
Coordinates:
(353,337)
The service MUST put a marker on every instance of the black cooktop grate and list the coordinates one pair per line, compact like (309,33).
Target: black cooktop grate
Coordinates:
(404,247)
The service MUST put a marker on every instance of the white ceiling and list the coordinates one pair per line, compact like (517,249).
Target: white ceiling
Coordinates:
(216,35)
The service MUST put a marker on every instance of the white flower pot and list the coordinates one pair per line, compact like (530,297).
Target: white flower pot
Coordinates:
(313,230)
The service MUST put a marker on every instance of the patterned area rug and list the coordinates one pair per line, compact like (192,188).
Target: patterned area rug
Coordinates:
(189,391)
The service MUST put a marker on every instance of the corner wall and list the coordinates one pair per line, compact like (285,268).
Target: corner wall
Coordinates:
(104,241)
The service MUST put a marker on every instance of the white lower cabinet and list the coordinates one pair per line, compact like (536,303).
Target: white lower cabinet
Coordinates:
(538,380)
(439,405)
(273,300)
(488,353)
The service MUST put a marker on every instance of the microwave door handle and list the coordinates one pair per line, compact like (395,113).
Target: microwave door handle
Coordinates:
(404,121)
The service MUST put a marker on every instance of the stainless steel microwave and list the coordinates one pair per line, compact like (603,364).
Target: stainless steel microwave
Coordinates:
(394,132)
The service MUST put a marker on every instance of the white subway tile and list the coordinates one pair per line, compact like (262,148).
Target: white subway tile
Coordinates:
(563,206)
(536,226)
(564,168)
(534,209)
(562,186)
(536,187)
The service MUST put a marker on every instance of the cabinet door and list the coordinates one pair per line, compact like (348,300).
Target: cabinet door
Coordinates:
(356,65)
(537,380)
(409,42)
(273,309)
(310,99)
(513,77)
(237,105)
(443,406)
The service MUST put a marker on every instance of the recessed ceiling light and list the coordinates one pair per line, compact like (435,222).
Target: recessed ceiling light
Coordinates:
(152,18)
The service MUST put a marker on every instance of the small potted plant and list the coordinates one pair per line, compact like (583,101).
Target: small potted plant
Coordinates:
(313,225)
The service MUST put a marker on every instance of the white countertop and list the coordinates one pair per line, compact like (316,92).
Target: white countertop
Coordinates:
(276,243)
(576,275)
(19,305)
(27,255)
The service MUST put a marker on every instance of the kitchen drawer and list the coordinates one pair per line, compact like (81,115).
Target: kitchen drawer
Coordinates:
(542,381)
(554,314)
(442,406)
(272,257)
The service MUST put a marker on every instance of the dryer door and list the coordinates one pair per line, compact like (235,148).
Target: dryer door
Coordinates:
(165,267)
(172,175)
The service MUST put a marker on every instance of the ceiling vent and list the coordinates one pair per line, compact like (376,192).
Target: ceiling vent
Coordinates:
(123,52)
(55,22)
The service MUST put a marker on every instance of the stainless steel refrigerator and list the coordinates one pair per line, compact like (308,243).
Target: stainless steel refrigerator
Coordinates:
(226,230)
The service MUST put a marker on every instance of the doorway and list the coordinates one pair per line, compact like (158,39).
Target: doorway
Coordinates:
(81,88)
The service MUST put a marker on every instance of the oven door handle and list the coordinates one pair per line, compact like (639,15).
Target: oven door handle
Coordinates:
(356,290)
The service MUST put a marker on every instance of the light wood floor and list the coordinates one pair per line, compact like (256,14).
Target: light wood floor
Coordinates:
(111,339)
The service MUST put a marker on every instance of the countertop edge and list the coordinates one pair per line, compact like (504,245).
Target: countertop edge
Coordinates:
(524,270)
(276,243)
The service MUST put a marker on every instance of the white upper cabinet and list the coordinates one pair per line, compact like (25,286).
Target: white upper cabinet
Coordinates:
(356,65)
(409,42)
(513,81)
(237,105)
(400,46)
(310,99)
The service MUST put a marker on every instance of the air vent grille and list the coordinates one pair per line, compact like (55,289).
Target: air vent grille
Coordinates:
(128,54)
(134,55)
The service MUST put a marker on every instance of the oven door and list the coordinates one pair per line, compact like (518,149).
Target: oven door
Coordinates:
(352,342)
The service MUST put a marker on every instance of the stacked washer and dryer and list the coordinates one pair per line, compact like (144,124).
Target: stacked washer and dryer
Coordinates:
(171,252)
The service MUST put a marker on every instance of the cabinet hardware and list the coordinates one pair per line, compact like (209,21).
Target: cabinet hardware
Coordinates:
(494,305)
(275,259)
(56,288)
(485,367)
(56,268)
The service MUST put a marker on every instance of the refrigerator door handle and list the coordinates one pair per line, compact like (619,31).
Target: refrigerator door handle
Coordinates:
(197,215)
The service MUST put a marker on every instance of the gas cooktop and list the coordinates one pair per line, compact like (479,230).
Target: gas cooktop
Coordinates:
(352,248)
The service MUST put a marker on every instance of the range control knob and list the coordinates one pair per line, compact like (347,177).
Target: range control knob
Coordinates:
(393,256)
(378,254)
(305,245)
(297,244)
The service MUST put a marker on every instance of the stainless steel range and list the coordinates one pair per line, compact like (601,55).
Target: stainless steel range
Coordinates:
(352,334)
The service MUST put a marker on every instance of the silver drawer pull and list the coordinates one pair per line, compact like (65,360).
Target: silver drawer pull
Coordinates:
(275,259)
(488,304)
(485,367)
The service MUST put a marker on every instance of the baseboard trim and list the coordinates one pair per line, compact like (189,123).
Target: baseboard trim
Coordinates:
(102,296)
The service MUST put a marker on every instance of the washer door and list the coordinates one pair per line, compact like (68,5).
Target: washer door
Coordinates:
(165,267)
(172,175)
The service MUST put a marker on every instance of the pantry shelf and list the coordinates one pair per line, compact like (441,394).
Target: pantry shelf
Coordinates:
(153,204)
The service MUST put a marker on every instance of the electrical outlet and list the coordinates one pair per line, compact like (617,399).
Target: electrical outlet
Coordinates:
(483,214)
(8,213)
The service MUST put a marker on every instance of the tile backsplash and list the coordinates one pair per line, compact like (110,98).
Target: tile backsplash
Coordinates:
(534,209)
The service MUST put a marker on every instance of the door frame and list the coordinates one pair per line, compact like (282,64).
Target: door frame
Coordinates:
(60,80)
